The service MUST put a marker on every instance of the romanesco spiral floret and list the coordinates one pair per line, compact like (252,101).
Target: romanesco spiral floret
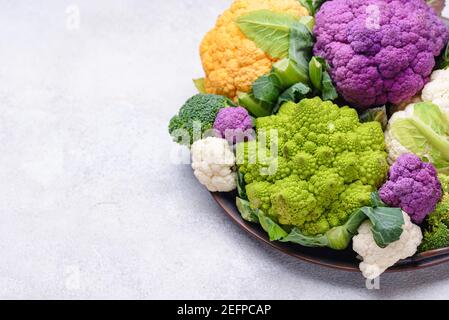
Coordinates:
(292,204)
(346,165)
(328,164)
(259,195)
(355,196)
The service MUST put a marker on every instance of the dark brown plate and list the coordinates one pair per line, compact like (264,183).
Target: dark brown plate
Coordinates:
(343,260)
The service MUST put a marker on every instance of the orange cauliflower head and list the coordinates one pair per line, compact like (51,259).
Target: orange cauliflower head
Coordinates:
(230,60)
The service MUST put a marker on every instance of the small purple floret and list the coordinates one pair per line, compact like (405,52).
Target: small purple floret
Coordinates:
(413,185)
(233,124)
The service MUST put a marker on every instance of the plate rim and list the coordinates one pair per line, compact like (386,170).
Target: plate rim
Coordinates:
(420,261)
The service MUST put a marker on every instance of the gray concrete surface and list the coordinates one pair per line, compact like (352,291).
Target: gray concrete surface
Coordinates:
(91,202)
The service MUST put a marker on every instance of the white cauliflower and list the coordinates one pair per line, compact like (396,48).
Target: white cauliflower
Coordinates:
(437,90)
(375,259)
(213,163)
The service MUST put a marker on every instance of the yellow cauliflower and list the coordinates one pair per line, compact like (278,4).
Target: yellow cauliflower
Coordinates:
(230,60)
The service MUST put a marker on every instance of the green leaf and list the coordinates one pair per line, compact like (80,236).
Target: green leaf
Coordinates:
(275,232)
(295,93)
(241,188)
(328,90)
(443,59)
(199,84)
(269,30)
(296,236)
(255,107)
(378,114)
(387,224)
(422,140)
(246,211)
(301,44)
(425,133)
(309,22)
(316,73)
(312,5)
(431,115)
(289,73)
(376,201)
(267,88)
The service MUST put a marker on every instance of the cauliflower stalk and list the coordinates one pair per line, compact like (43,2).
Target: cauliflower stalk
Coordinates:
(231,61)
(318,165)
(376,259)
(213,163)
(379,51)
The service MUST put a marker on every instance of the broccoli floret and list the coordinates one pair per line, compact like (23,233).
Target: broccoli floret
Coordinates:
(200,110)
(328,163)
(436,232)
(435,237)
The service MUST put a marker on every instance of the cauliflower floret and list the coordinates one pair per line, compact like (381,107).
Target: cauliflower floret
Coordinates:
(375,259)
(437,90)
(231,61)
(213,162)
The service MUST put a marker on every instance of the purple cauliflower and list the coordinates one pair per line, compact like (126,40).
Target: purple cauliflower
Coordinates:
(413,185)
(379,51)
(233,123)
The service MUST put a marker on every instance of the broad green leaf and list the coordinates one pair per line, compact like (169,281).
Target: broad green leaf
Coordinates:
(421,139)
(295,93)
(376,201)
(309,22)
(301,44)
(312,5)
(246,211)
(387,224)
(269,30)
(296,236)
(378,114)
(267,88)
(431,115)
(275,232)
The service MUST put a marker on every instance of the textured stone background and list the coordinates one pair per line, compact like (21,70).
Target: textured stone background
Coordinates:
(91,203)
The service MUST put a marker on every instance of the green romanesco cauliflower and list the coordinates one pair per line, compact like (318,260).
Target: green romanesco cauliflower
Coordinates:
(323,165)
